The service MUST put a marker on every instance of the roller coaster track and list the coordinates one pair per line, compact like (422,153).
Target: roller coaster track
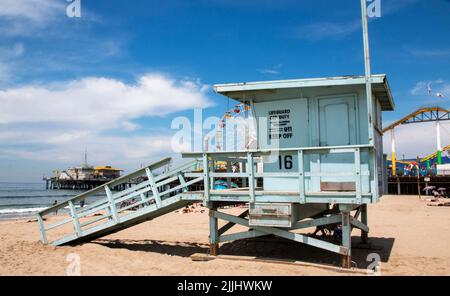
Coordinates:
(425,114)
(431,156)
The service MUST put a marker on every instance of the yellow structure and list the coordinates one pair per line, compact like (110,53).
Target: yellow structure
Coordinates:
(107,172)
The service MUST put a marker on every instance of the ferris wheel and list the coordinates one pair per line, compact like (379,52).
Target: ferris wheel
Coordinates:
(241,110)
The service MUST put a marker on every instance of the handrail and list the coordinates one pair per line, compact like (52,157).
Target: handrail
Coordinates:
(262,152)
(153,192)
(209,173)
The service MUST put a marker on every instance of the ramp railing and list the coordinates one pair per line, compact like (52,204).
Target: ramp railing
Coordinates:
(102,207)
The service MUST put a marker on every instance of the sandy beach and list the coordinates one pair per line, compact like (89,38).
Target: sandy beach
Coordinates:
(410,237)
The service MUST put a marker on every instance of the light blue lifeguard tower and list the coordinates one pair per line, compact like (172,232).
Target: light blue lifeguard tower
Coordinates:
(328,162)
(318,153)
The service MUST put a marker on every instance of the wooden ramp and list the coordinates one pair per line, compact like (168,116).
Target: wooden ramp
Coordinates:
(153,195)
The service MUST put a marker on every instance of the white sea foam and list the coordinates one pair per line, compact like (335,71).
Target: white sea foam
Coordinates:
(21,210)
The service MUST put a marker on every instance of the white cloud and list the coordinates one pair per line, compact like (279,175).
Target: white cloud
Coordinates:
(23,17)
(9,54)
(390,7)
(129,126)
(37,11)
(431,53)
(420,88)
(326,29)
(323,30)
(269,71)
(57,122)
(99,101)
(417,139)
(275,70)
(101,149)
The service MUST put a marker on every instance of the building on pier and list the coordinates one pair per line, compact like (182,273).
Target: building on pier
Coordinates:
(82,177)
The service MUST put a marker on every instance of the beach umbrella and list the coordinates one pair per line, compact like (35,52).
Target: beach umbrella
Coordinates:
(429,188)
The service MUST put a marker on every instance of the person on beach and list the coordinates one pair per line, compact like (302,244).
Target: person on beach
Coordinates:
(54,204)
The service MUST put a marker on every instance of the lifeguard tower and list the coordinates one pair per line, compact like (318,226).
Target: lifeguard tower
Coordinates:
(321,159)
(318,157)
(326,162)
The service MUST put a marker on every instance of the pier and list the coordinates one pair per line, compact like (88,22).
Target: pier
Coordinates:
(85,177)
(409,185)
(61,184)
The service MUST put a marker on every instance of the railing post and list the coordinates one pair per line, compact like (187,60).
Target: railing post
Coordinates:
(364,234)
(206,176)
(76,222)
(42,229)
(213,231)
(373,156)
(301,177)
(211,179)
(251,177)
(143,197)
(112,205)
(244,170)
(155,191)
(346,238)
(358,176)
(182,181)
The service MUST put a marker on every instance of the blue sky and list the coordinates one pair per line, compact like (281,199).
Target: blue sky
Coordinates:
(112,80)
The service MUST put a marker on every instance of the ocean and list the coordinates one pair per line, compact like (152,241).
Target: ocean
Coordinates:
(24,200)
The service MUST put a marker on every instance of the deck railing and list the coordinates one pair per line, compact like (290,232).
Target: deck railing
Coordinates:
(248,158)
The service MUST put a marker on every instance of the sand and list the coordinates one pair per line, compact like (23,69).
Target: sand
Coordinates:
(412,239)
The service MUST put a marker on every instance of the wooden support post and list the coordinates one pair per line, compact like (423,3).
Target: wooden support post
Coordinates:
(212,179)
(144,198)
(301,177)
(213,231)
(112,204)
(364,234)
(358,188)
(251,177)
(155,191)
(229,225)
(182,181)
(346,239)
(76,222)
(229,170)
(284,234)
(243,170)
(206,176)
(42,229)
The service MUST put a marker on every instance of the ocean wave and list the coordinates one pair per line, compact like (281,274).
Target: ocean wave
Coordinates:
(22,205)
(37,196)
(21,210)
